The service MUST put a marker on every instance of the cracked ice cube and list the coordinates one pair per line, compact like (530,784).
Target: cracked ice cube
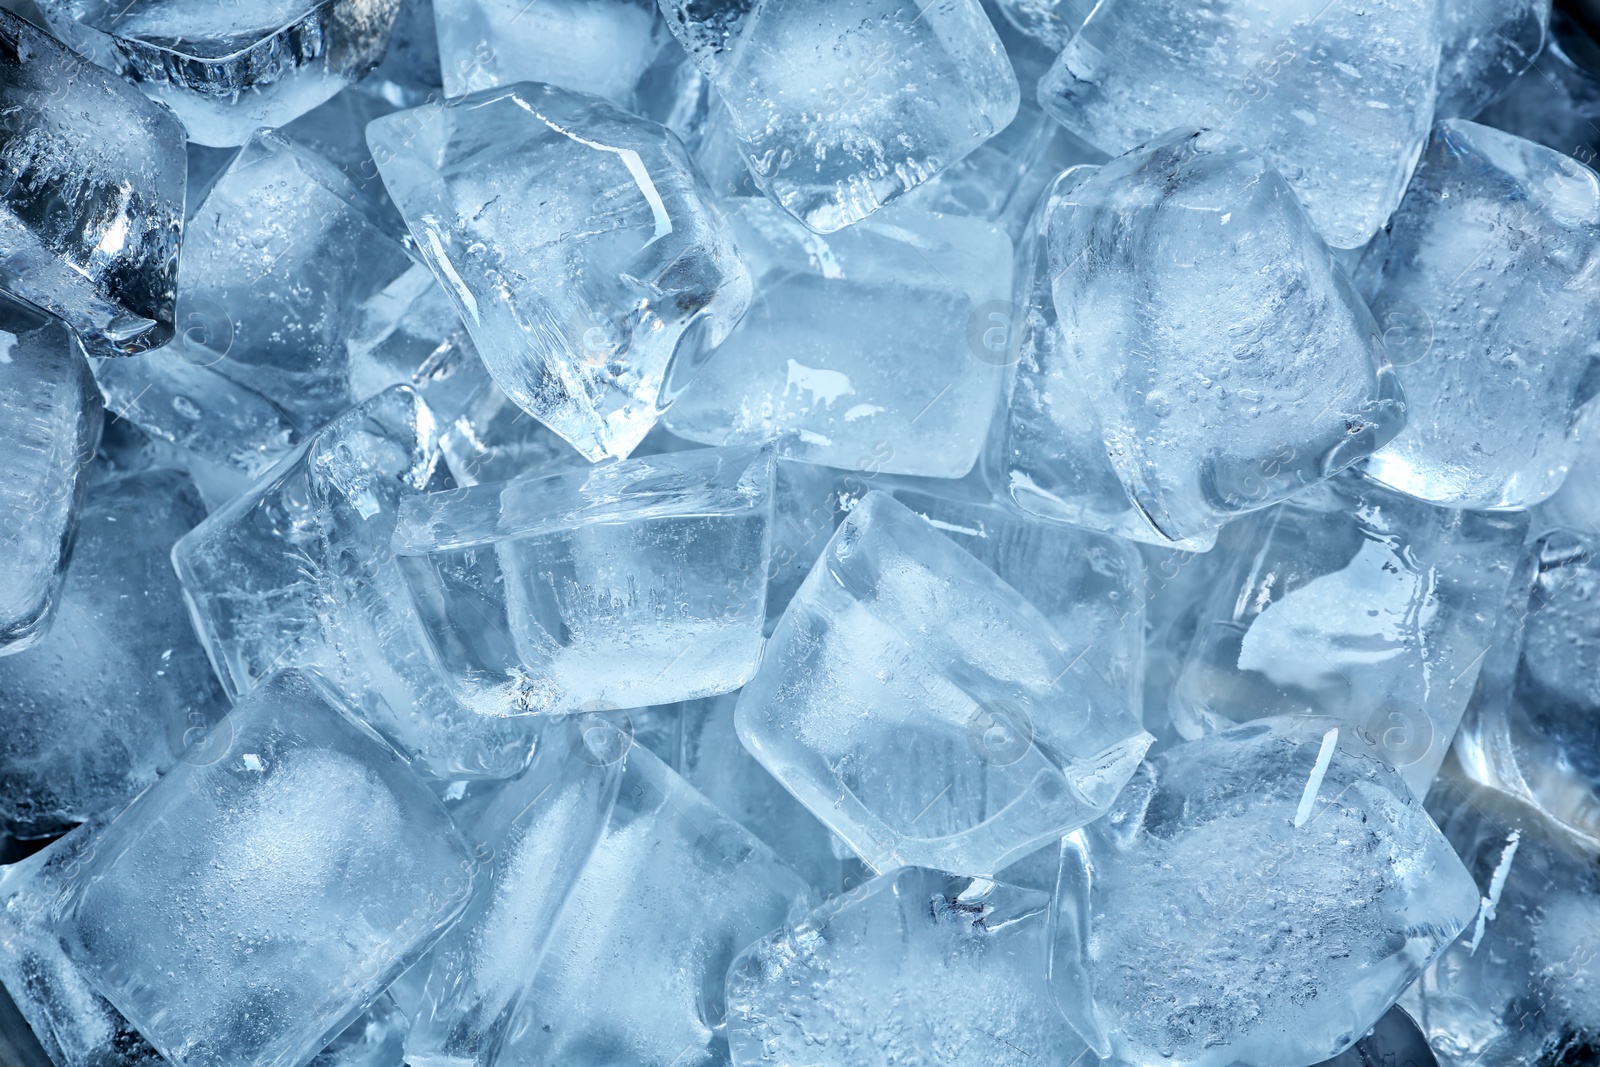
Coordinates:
(839,108)
(579,247)
(1259,897)
(1336,96)
(253,901)
(92,179)
(227,67)
(926,712)
(1208,357)
(1494,259)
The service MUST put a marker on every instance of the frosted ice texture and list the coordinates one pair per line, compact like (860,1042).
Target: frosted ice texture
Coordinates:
(297,571)
(593,311)
(119,687)
(839,108)
(246,909)
(926,712)
(914,967)
(673,891)
(1257,897)
(1336,97)
(857,350)
(1496,254)
(1208,357)
(50,417)
(621,586)
(92,179)
(1360,604)
(227,67)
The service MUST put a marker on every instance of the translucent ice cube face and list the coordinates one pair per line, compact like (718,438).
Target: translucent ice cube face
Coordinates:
(839,108)
(901,650)
(1337,97)
(1491,272)
(1258,897)
(228,67)
(620,587)
(91,212)
(578,246)
(246,908)
(1209,359)
(857,352)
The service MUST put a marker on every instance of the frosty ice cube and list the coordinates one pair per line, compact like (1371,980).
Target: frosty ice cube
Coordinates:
(901,651)
(227,67)
(92,181)
(1360,604)
(247,909)
(1496,254)
(119,687)
(906,946)
(840,108)
(1336,97)
(621,586)
(593,311)
(297,572)
(1208,358)
(50,419)
(856,352)
(1258,897)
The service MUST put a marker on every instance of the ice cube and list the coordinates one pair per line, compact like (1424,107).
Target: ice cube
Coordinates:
(915,966)
(1258,897)
(1209,357)
(1360,604)
(673,891)
(297,571)
(50,416)
(1557,104)
(857,351)
(601,47)
(251,903)
(621,586)
(840,108)
(1336,97)
(337,132)
(1494,257)
(1485,50)
(534,837)
(227,67)
(91,194)
(410,73)
(1050,22)
(901,651)
(119,687)
(595,310)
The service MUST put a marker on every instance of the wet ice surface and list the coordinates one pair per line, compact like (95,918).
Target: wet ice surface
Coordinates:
(602,533)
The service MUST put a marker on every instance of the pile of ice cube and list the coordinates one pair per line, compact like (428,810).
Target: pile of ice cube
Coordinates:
(810,533)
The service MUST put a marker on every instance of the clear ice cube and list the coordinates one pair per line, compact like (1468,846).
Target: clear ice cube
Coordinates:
(593,311)
(926,712)
(228,67)
(1337,97)
(1259,897)
(119,687)
(1485,50)
(1360,604)
(1208,356)
(1493,260)
(857,351)
(249,906)
(620,586)
(840,108)
(50,418)
(913,967)
(92,180)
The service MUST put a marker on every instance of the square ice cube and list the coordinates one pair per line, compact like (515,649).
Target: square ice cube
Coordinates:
(621,586)
(251,904)
(901,651)
(577,243)
(841,107)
